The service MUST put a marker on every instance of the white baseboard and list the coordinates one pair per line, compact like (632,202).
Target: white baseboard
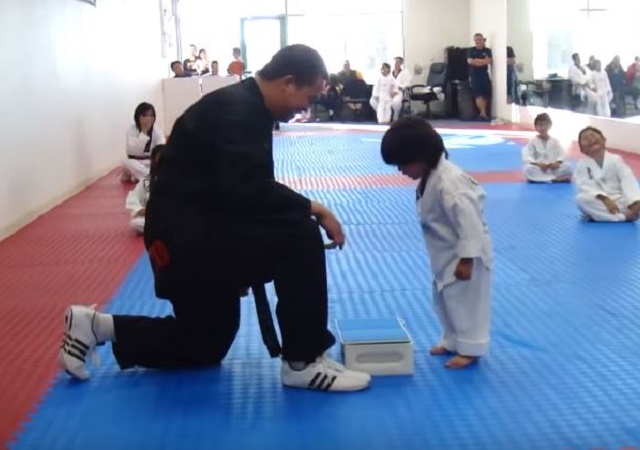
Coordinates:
(32,215)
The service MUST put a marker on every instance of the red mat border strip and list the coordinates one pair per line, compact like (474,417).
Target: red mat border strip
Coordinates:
(45,266)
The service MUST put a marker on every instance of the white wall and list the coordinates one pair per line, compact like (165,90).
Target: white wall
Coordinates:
(621,134)
(432,25)
(73,76)
(520,36)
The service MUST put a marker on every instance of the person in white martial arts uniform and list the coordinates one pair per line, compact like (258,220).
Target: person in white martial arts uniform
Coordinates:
(601,85)
(403,82)
(607,188)
(385,90)
(142,136)
(580,87)
(450,207)
(544,157)
(137,198)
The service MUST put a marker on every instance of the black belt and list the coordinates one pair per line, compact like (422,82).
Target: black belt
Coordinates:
(139,158)
(265,319)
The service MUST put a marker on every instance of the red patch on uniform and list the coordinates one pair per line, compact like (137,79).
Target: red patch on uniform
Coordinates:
(159,255)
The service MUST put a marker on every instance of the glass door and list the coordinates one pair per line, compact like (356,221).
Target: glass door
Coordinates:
(261,38)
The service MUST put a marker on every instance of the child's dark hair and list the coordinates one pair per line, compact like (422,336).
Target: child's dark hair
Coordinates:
(544,117)
(153,167)
(589,128)
(411,139)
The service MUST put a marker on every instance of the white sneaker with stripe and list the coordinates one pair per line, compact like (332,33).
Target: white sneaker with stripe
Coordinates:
(78,342)
(324,374)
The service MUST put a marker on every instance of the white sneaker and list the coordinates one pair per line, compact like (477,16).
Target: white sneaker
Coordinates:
(324,375)
(78,342)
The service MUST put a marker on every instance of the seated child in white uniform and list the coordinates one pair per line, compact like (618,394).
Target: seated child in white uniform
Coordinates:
(544,157)
(385,90)
(138,197)
(142,136)
(450,207)
(607,188)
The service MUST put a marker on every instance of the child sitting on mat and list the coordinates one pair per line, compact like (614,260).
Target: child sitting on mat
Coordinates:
(544,157)
(139,196)
(607,188)
(450,207)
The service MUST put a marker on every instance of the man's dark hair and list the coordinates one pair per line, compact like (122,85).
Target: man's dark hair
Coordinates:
(411,139)
(399,58)
(302,63)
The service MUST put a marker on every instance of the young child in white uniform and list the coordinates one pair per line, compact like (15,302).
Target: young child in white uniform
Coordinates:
(385,90)
(450,207)
(544,157)
(142,136)
(138,197)
(607,188)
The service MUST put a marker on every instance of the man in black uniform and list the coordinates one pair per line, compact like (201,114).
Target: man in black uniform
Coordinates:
(479,59)
(217,222)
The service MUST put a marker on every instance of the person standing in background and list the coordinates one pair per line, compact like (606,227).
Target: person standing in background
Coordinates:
(479,58)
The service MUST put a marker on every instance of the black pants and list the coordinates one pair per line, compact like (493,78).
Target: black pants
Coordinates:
(205,281)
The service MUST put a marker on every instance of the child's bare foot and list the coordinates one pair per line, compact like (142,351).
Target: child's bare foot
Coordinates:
(439,350)
(461,362)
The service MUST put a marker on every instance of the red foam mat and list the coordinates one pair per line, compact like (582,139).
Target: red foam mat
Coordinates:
(78,252)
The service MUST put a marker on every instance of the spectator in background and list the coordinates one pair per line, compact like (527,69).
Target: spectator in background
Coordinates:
(190,64)
(236,67)
(480,58)
(202,65)
(512,77)
(178,70)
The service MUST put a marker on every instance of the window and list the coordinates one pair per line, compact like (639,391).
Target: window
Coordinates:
(365,40)
(587,27)
(338,7)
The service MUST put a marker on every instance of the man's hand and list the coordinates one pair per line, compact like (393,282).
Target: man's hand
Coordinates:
(329,223)
(140,213)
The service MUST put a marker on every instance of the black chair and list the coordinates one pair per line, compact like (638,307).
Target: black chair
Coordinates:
(436,78)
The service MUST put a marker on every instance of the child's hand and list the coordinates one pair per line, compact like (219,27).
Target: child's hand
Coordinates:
(140,213)
(464,269)
(611,205)
(555,165)
(544,167)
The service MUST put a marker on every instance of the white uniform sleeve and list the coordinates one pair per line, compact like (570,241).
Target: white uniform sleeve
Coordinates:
(528,152)
(136,198)
(557,151)
(462,211)
(136,142)
(404,79)
(609,90)
(376,88)
(158,137)
(628,182)
(585,183)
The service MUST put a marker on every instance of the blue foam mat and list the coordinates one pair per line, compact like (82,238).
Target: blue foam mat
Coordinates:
(359,154)
(563,371)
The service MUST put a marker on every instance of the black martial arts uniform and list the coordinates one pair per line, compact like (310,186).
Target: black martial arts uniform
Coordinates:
(217,221)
